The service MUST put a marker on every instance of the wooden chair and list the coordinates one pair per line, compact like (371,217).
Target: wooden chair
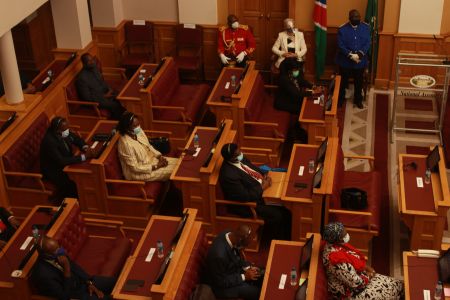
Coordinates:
(189,50)
(139,45)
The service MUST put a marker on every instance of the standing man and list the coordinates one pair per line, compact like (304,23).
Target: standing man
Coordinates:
(353,45)
(235,42)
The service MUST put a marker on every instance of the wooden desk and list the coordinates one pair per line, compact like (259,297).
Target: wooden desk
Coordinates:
(192,178)
(317,121)
(273,193)
(12,255)
(130,95)
(56,66)
(306,205)
(424,210)
(223,110)
(420,273)
(91,193)
(283,255)
(159,228)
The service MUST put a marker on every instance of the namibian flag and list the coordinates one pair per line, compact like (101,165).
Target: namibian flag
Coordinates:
(320,25)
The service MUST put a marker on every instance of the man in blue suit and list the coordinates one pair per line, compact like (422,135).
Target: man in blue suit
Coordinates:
(353,45)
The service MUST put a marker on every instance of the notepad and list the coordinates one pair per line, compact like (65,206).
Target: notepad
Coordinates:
(282,281)
(419,182)
(447,292)
(426,295)
(227,85)
(300,171)
(301,281)
(94,145)
(197,151)
(150,255)
(26,243)
(317,101)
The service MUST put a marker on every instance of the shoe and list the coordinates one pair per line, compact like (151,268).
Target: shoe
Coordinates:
(359,105)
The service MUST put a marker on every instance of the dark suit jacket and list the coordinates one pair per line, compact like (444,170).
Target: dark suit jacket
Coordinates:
(224,267)
(289,98)
(91,86)
(6,234)
(237,185)
(56,153)
(50,281)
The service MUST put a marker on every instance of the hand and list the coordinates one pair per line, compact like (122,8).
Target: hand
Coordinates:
(266,182)
(14,222)
(93,290)
(318,89)
(370,271)
(360,55)
(287,54)
(251,274)
(224,59)
(354,57)
(241,56)
(110,93)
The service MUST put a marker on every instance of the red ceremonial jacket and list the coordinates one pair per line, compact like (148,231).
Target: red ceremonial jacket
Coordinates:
(232,42)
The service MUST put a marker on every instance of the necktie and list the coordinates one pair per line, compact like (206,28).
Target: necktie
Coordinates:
(251,172)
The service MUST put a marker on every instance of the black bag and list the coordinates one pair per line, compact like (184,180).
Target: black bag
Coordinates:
(353,199)
(161,144)
(444,267)
(202,292)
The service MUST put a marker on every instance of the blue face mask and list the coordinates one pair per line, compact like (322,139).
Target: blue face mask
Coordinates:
(137,130)
(240,157)
(295,73)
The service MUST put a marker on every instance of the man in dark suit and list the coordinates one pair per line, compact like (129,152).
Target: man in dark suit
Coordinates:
(55,275)
(8,226)
(56,153)
(229,274)
(241,181)
(92,87)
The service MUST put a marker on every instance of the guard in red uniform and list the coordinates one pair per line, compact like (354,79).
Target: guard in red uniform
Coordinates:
(235,42)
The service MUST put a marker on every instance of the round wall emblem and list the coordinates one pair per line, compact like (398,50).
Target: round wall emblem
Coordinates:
(422,81)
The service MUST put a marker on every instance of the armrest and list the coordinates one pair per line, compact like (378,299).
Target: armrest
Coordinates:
(105,223)
(168,107)
(369,158)
(260,123)
(255,150)
(251,205)
(121,181)
(36,176)
(149,133)
(353,213)
(114,72)
(77,102)
(271,87)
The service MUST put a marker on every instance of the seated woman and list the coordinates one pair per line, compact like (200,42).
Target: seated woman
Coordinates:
(292,88)
(139,160)
(241,181)
(349,277)
(289,44)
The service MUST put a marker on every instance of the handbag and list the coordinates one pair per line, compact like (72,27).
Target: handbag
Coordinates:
(444,267)
(353,199)
(161,144)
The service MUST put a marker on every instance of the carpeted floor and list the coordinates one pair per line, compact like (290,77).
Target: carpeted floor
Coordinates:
(380,244)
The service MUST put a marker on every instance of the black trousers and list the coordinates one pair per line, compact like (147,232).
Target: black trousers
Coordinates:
(277,221)
(358,76)
(113,106)
(104,284)
(246,291)
(65,188)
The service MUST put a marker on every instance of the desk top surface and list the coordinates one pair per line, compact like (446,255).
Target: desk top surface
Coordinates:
(57,67)
(220,88)
(11,256)
(300,156)
(312,112)
(417,199)
(283,257)
(421,274)
(132,88)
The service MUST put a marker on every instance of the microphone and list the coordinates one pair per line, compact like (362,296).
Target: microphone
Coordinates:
(35,233)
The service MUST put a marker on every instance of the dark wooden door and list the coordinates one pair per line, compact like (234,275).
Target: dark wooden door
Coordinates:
(265,17)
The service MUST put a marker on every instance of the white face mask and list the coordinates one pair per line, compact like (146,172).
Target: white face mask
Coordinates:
(65,133)
(137,130)
(346,238)
(235,25)
(240,157)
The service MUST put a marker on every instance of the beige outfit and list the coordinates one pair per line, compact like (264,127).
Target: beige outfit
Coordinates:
(281,46)
(137,158)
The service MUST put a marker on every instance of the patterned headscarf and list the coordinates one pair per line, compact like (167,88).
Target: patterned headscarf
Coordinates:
(332,232)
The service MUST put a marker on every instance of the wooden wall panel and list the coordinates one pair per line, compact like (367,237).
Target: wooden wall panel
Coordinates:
(164,34)
(211,62)
(109,41)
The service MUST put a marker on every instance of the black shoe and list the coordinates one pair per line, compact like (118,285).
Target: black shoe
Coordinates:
(359,105)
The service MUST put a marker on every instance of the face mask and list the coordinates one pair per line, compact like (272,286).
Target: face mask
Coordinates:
(235,25)
(295,73)
(240,157)
(355,22)
(65,133)
(346,238)
(137,130)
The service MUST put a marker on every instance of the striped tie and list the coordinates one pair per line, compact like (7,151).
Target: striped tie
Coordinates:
(251,172)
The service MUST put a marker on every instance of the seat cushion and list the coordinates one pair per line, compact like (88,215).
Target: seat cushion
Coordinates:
(87,111)
(369,182)
(187,63)
(191,97)
(151,188)
(104,256)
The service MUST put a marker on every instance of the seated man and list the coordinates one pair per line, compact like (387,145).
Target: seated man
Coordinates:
(8,225)
(292,88)
(56,153)
(139,160)
(56,275)
(229,274)
(92,87)
(241,181)
(235,43)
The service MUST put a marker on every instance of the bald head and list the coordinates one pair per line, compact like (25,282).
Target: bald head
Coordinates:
(49,245)
(354,17)
(241,236)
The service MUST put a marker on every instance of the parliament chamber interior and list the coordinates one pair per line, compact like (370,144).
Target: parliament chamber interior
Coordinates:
(198,149)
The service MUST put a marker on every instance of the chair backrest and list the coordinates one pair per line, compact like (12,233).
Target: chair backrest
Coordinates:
(72,233)
(139,34)
(71,90)
(189,37)
(23,155)
(196,263)
(166,85)
(113,168)
(254,101)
